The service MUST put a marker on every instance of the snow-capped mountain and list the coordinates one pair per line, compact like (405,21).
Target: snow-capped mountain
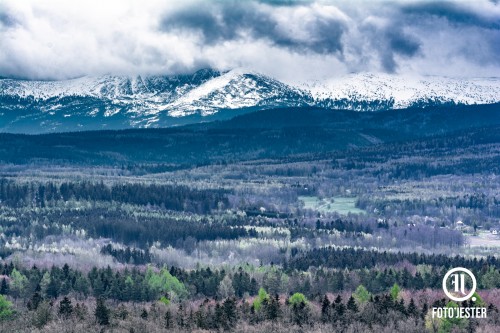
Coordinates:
(235,90)
(154,101)
(399,92)
(205,92)
(111,87)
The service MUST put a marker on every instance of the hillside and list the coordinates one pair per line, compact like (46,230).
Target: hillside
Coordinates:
(265,134)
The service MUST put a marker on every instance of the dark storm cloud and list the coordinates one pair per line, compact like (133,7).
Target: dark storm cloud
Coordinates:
(229,21)
(397,43)
(477,30)
(283,38)
(390,42)
(402,43)
(455,13)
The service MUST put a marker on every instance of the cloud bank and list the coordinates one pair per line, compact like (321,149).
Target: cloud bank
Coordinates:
(291,40)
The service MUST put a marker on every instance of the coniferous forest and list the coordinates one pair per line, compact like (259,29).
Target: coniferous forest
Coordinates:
(266,222)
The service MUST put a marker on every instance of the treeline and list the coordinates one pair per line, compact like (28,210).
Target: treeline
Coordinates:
(345,226)
(359,259)
(207,282)
(477,201)
(359,311)
(122,226)
(148,284)
(145,230)
(36,284)
(128,255)
(178,197)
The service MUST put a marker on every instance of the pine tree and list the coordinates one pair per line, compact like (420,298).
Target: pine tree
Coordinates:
(35,299)
(419,281)
(325,310)
(53,288)
(101,312)
(272,308)
(300,313)
(351,305)
(81,285)
(220,319)
(340,281)
(400,306)
(339,309)
(65,307)
(200,317)
(253,287)
(230,313)
(405,278)
(4,288)
(412,308)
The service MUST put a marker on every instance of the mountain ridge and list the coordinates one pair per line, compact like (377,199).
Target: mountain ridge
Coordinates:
(115,102)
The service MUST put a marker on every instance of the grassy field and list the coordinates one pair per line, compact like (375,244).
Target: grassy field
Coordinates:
(484,239)
(340,205)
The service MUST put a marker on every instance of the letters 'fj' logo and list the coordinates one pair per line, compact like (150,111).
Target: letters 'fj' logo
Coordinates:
(457,278)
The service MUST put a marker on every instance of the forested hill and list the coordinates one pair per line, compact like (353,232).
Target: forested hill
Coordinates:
(264,134)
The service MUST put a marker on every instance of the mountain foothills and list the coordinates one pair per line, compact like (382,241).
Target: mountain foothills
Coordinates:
(120,102)
(274,133)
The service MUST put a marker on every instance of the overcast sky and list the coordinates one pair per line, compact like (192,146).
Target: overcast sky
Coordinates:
(290,40)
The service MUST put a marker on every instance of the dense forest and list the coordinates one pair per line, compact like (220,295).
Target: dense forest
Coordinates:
(224,300)
(276,133)
(180,198)
(292,220)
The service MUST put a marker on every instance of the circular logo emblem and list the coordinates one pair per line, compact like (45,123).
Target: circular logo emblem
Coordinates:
(457,276)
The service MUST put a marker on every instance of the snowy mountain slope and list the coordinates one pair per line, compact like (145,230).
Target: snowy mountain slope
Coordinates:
(204,92)
(237,89)
(405,91)
(118,87)
(157,101)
